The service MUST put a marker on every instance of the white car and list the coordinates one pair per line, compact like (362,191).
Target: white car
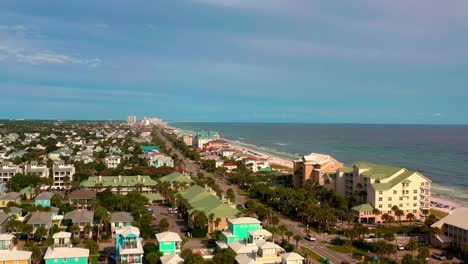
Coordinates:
(310,238)
(400,247)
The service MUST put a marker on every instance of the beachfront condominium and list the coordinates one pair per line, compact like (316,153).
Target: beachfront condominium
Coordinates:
(452,229)
(204,137)
(315,167)
(131,120)
(382,187)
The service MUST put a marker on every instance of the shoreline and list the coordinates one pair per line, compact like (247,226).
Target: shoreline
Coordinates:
(437,203)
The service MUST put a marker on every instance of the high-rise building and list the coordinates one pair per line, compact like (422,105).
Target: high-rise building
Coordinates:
(315,167)
(131,120)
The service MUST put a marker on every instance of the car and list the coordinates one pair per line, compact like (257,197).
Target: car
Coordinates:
(438,256)
(240,206)
(102,259)
(151,211)
(400,247)
(310,238)
(447,256)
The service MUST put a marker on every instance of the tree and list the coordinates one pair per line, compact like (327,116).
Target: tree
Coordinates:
(41,232)
(190,258)
(199,220)
(410,217)
(92,246)
(412,245)
(152,257)
(231,195)
(289,234)
(423,252)
(36,254)
(297,238)
(399,213)
(225,256)
(88,229)
(74,229)
(28,230)
(464,249)
(408,259)
(163,225)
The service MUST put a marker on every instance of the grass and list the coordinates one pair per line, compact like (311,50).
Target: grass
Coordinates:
(94,259)
(311,253)
(339,249)
(438,214)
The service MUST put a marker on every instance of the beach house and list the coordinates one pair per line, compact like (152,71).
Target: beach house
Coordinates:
(35,169)
(11,197)
(62,173)
(39,219)
(315,167)
(62,251)
(128,245)
(452,229)
(8,170)
(188,139)
(43,199)
(112,161)
(239,229)
(119,220)
(81,218)
(9,254)
(160,161)
(382,187)
(177,178)
(169,243)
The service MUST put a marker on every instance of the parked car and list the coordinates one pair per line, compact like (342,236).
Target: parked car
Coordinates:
(400,247)
(438,256)
(151,211)
(102,259)
(447,256)
(310,238)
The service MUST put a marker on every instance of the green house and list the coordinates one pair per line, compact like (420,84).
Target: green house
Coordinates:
(239,229)
(43,199)
(169,243)
(62,252)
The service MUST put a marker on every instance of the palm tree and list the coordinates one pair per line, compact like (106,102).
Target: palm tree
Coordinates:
(289,234)
(412,245)
(152,257)
(28,230)
(87,230)
(74,229)
(36,254)
(297,238)
(41,232)
(399,213)
(410,217)
(423,252)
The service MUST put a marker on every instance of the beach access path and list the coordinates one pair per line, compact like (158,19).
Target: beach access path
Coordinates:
(297,227)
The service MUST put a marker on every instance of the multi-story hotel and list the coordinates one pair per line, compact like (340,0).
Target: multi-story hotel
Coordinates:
(315,167)
(204,137)
(131,120)
(378,186)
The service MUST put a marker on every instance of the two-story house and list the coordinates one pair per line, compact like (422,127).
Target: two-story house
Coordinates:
(160,161)
(43,199)
(239,228)
(81,198)
(128,245)
(169,243)
(8,170)
(62,252)
(291,258)
(11,197)
(39,219)
(119,220)
(112,161)
(81,218)
(9,254)
(35,169)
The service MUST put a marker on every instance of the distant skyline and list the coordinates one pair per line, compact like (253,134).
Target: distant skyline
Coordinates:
(304,61)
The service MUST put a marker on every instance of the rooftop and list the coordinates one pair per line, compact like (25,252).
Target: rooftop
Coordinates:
(44,196)
(115,181)
(176,177)
(457,218)
(64,252)
(80,216)
(121,217)
(244,220)
(168,237)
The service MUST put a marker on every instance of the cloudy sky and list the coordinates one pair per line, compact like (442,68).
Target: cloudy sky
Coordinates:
(360,61)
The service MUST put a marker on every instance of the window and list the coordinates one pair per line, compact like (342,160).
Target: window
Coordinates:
(380,199)
(401,205)
(394,191)
(389,199)
(380,192)
(65,260)
(415,191)
(407,191)
(380,206)
(414,211)
(415,204)
(401,198)
(415,197)
(76,259)
(389,205)
(389,211)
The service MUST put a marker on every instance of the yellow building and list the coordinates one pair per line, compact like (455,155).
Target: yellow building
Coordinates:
(382,187)
(9,254)
(317,168)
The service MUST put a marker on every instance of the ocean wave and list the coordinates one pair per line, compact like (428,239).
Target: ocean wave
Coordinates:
(280,144)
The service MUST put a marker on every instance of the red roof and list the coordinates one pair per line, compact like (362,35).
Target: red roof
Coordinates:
(229,164)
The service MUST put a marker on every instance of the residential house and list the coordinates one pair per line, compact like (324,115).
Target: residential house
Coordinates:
(256,164)
(119,220)
(314,167)
(8,170)
(230,166)
(4,219)
(112,161)
(204,137)
(62,174)
(291,258)
(115,150)
(9,254)
(382,187)
(171,259)
(453,229)
(55,155)
(160,161)
(227,152)
(17,212)
(239,228)
(43,199)
(150,149)
(62,251)
(11,197)
(39,219)
(121,184)
(128,245)
(82,197)
(35,169)
(81,218)
(169,243)
(200,199)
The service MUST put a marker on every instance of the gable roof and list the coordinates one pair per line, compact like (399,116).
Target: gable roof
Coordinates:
(113,181)
(244,220)
(118,217)
(171,259)
(376,170)
(3,217)
(194,193)
(168,237)
(176,177)
(456,218)
(40,218)
(83,194)
(363,208)
(44,196)
(10,196)
(80,216)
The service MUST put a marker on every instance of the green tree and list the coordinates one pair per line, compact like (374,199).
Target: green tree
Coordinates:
(41,232)
(297,238)
(399,213)
(88,229)
(28,230)
(408,259)
(190,258)
(225,256)
(289,234)
(423,252)
(93,246)
(152,257)
(231,195)
(412,245)
(36,254)
(163,225)
(410,217)
(74,229)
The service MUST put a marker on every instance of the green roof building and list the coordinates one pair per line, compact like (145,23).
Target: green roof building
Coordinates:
(120,184)
(176,177)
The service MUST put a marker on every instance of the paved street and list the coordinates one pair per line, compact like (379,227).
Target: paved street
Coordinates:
(294,226)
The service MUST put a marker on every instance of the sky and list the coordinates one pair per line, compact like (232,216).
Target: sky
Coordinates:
(360,61)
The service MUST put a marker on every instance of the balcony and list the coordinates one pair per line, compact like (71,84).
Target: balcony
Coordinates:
(129,245)
(425,187)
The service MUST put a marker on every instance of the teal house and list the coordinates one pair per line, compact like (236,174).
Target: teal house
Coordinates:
(148,149)
(169,243)
(43,199)
(239,229)
(62,252)
(128,246)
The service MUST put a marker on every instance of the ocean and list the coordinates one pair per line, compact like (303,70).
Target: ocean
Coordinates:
(440,152)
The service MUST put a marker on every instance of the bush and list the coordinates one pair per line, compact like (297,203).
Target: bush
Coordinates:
(337,241)
(286,245)
(105,236)
(364,245)
(198,233)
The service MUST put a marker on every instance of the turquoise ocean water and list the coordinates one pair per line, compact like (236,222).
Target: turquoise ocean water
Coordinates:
(438,151)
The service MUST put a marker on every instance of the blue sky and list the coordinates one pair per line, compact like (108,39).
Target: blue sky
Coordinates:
(361,61)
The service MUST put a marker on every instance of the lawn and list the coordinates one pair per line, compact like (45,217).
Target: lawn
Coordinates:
(438,214)
(94,259)
(311,253)
(339,249)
